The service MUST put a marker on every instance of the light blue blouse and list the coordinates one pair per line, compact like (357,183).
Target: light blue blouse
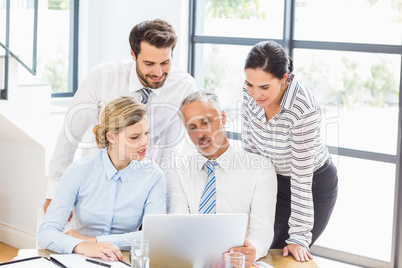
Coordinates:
(109,204)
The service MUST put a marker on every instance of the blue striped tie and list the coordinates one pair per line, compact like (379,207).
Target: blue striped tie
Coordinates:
(145,92)
(208,197)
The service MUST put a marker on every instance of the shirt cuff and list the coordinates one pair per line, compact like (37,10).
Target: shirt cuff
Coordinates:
(109,238)
(259,249)
(292,240)
(51,188)
(71,243)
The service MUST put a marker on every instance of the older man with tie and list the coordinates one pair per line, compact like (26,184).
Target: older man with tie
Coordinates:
(222,179)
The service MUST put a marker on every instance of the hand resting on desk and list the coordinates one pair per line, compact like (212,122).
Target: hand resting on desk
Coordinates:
(91,248)
(248,250)
(299,252)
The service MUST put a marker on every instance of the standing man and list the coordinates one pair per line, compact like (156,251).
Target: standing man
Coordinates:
(149,79)
(221,179)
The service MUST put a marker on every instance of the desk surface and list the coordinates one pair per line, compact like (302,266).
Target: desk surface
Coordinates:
(273,258)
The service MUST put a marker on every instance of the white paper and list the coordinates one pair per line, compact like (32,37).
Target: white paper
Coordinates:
(78,261)
(36,263)
(260,264)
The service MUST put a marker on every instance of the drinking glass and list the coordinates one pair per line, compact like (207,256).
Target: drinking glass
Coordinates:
(234,260)
(140,254)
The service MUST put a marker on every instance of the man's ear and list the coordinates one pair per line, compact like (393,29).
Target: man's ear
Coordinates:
(111,137)
(133,55)
(223,114)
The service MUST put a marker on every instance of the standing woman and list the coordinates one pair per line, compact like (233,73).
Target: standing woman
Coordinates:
(111,191)
(281,121)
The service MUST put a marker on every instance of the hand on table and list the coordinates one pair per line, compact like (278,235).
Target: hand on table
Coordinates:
(248,250)
(299,252)
(103,250)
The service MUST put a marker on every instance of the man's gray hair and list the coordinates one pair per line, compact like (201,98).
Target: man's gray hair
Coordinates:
(201,95)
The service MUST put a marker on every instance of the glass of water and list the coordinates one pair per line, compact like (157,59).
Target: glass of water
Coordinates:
(234,260)
(140,253)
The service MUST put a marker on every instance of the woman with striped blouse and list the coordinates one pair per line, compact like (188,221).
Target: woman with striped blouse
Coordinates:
(281,121)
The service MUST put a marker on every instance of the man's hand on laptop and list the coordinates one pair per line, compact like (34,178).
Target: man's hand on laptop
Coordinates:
(248,250)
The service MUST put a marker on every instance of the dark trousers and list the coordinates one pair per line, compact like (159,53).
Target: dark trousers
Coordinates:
(325,192)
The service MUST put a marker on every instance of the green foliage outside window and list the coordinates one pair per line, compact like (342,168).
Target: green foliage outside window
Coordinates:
(59,4)
(379,89)
(56,73)
(352,83)
(382,83)
(231,9)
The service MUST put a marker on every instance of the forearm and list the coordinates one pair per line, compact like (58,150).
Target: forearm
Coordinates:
(56,241)
(122,241)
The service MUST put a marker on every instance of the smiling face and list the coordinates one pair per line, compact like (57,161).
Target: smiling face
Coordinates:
(153,65)
(206,128)
(129,144)
(265,89)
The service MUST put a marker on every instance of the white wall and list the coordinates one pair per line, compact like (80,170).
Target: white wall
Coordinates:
(24,147)
(23,141)
(105,26)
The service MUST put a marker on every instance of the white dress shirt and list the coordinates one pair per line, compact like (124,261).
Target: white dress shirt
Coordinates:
(245,183)
(107,82)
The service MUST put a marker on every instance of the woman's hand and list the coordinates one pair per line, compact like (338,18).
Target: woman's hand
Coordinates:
(299,252)
(104,250)
(248,250)
(78,235)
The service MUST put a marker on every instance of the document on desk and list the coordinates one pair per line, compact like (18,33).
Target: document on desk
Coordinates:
(78,260)
(35,262)
(260,264)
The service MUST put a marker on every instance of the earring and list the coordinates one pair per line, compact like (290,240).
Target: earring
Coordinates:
(283,86)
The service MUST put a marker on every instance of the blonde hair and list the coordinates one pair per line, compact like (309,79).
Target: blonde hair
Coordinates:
(117,115)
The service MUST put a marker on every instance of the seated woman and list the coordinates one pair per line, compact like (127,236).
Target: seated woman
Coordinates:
(111,191)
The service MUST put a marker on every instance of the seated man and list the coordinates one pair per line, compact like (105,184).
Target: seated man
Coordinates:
(222,179)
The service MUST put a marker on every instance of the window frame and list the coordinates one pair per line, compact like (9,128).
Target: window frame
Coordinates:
(289,43)
(9,53)
(73,55)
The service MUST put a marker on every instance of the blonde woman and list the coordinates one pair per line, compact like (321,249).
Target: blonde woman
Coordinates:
(111,191)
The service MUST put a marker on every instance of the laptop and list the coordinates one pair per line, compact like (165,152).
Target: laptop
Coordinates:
(192,240)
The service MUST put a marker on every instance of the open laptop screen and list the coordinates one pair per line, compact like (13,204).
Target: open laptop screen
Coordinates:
(192,240)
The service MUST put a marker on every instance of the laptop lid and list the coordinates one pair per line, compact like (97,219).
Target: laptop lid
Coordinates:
(192,240)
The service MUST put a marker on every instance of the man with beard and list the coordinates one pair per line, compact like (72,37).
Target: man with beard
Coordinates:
(222,179)
(149,79)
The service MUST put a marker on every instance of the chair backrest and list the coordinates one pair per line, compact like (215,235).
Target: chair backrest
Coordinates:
(40,215)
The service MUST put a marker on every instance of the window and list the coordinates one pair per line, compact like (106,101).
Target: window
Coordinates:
(349,55)
(51,48)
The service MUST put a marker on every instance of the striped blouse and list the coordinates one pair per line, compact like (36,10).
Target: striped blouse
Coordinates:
(291,140)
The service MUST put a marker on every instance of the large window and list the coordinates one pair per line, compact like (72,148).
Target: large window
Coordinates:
(47,53)
(349,54)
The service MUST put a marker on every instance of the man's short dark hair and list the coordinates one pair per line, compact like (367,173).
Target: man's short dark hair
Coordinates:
(157,33)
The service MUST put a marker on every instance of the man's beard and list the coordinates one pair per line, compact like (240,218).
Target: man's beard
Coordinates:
(153,85)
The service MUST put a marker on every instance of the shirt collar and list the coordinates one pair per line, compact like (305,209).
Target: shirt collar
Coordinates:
(135,83)
(224,160)
(290,93)
(111,172)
